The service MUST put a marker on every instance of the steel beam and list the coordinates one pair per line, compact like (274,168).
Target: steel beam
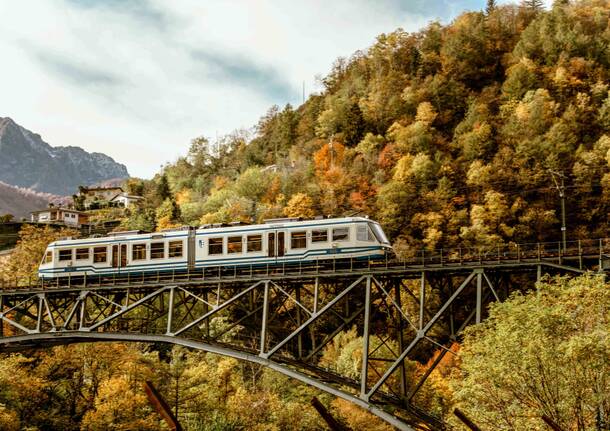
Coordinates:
(264,321)
(314,317)
(365,339)
(419,336)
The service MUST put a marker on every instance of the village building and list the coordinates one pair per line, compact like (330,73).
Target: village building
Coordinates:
(59,215)
(89,198)
(99,193)
(126,200)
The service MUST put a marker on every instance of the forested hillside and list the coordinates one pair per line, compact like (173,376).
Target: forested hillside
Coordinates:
(459,134)
(456,134)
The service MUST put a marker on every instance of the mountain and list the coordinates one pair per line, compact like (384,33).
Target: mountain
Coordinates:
(20,202)
(28,161)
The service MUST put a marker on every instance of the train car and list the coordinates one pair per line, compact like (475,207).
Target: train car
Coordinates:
(277,241)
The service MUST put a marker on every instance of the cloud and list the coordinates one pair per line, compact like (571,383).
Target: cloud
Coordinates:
(138,79)
(239,70)
(440,9)
(140,10)
(76,72)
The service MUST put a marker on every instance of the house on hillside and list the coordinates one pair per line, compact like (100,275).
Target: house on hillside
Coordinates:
(126,200)
(99,193)
(90,198)
(59,215)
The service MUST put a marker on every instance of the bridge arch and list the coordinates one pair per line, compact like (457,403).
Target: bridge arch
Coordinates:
(51,339)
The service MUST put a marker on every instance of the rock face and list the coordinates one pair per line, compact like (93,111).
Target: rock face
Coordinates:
(27,161)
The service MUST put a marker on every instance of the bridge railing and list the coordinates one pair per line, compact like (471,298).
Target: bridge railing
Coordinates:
(573,254)
(511,252)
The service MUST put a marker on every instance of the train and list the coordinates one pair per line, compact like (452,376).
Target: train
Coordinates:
(274,242)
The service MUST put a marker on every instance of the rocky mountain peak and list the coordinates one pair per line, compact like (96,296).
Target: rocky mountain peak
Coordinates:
(29,162)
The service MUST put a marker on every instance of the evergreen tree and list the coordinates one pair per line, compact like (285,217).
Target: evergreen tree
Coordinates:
(535,5)
(491,6)
(163,191)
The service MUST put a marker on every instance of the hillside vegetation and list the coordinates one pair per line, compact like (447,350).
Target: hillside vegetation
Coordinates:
(456,134)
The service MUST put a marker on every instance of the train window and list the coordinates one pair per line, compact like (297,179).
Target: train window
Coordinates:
(82,253)
(215,246)
(100,254)
(175,248)
(341,234)
(363,233)
(379,233)
(138,252)
(48,257)
(234,244)
(65,255)
(298,239)
(319,235)
(157,250)
(255,243)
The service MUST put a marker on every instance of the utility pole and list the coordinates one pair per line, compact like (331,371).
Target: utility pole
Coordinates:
(561,188)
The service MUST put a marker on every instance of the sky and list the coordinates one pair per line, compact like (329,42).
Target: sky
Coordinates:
(139,79)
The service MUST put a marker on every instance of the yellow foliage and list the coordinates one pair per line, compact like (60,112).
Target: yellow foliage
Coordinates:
(300,205)
(479,174)
(120,406)
(166,222)
(426,113)
(402,171)
(33,241)
(9,421)
(184,196)
(357,418)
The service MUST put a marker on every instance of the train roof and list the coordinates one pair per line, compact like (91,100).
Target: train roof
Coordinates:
(182,232)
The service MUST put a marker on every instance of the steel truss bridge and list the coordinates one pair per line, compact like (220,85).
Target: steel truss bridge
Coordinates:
(284,317)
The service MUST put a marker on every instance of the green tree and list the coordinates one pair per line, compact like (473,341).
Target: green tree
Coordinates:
(163,190)
(545,352)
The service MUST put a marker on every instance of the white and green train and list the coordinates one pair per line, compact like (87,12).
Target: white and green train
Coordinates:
(276,242)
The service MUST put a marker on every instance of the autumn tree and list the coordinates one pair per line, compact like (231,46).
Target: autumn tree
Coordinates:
(300,205)
(24,261)
(167,214)
(542,353)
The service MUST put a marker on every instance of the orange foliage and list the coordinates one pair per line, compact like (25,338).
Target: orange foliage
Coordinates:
(327,157)
(364,197)
(273,191)
(388,157)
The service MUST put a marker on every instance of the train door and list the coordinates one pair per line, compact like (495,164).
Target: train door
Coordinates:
(119,256)
(276,244)
(190,249)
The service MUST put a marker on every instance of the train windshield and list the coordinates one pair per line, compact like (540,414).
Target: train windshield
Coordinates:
(47,258)
(378,232)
